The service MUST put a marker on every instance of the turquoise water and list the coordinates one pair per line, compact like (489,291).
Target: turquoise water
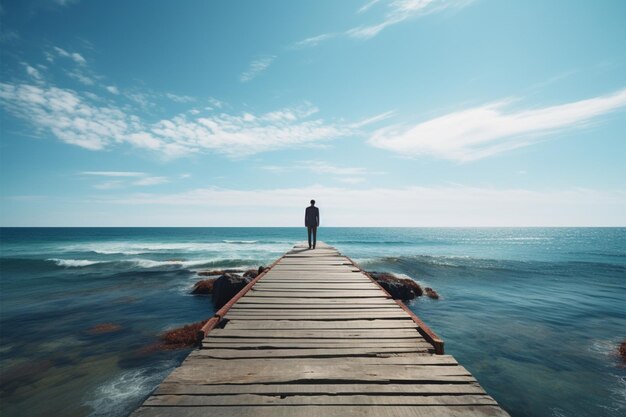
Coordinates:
(535,314)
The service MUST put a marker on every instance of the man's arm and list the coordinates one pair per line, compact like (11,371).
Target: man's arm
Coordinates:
(317,217)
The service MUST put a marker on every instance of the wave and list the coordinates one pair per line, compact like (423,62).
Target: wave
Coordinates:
(74,263)
(142,263)
(127,248)
(124,393)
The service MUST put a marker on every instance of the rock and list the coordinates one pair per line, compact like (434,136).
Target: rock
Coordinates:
(251,273)
(398,288)
(104,328)
(218,272)
(204,286)
(431,293)
(182,337)
(226,286)
(622,350)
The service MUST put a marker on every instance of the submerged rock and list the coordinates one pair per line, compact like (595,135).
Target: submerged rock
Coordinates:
(431,293)
(104,328)
(622,350)
(182,337)
(226,286)
(398,288)
(204,286)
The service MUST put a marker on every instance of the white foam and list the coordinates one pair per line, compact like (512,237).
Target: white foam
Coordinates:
(136,248)
(123,393)
(73,263)
(240,242)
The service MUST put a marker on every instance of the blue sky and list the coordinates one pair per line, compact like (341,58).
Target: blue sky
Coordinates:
(388,113)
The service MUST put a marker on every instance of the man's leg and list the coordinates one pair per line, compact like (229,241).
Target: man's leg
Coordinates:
(308,229)
(314,236)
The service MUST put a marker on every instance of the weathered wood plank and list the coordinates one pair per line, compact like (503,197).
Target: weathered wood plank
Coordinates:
(224,353)
(324,301)
(308,344)
(415,359)
(320,334)
(309,324)
(356,400)
(311,389)
(326,411)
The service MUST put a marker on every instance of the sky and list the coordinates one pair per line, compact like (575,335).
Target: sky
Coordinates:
(387,113)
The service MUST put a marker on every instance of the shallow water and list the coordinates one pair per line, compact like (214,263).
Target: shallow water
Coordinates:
(535,314)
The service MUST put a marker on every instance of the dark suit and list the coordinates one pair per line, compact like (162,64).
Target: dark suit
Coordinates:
(311,221)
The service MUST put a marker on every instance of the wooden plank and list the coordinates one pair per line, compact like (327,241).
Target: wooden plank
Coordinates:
(318,316)
(333,389)
(326,411)
(309,344)
(316,294)
(225,353)
(320,334)
(355,400)
(309,324)
(325,301)
(413,359)
(315,310)
(275,373)
(311,306)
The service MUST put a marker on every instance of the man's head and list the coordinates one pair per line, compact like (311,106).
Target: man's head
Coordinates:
(312,202)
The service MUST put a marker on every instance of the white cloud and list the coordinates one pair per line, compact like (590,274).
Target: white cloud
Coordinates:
(344,173)
(256,67)
(488,130)
(74,56)
(112,89)
(81,119)
(406,206)
(313,40)
(32,72)
(150,181)
(81,77)
(114,173)
(401,10)
(180,99)
(367,6)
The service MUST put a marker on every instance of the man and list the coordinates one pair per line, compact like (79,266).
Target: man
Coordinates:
(311,221)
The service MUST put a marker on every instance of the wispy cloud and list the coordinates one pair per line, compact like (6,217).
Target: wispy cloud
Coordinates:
(313,40)
(124,179)
(256,67)
(82,119)
(114,173)
(74,56)
(397,11)
(180,99)
(342,173)
(490,129)
(112,89)
(151,181)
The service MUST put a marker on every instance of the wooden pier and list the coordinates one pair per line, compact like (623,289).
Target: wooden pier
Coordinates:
(315,336)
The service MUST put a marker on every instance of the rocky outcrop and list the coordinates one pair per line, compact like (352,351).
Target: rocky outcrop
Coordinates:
(431,293)
(226,286)
(203,287)
(398,288)
(622,350)
(182,337)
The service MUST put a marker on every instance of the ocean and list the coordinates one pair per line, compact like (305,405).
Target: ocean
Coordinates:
(535,314)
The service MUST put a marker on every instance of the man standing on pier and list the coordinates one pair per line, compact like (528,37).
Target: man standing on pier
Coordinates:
(311,221)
